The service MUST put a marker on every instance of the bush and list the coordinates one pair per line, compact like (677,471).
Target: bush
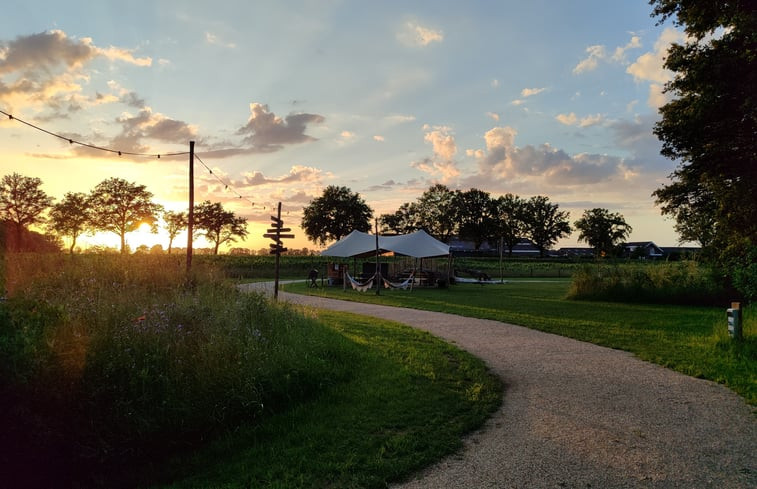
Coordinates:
(684,282)
(127,357)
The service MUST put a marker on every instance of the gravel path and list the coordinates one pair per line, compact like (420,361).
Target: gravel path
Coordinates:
(577,415)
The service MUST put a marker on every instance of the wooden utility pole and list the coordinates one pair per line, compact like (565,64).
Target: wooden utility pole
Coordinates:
(191,216)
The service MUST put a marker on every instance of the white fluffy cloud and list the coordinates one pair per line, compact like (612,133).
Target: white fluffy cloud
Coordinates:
(414,34)
(599,53)
(649,67)
(572,120)
(442,163)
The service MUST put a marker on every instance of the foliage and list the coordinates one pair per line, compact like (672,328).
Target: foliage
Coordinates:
(402,221)
(22,202)
(510,220)
(602,230)
(71,216)
(709,126)
(477,216)
(121,207)
(335,214)
(684,282)
(176,222)
(544,223)
(110,365)
(218,225)
(438,212)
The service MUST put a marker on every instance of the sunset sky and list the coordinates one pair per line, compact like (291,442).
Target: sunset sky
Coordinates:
(387,98)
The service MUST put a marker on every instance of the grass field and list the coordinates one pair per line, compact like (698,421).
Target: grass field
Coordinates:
(122,371)
(692,340)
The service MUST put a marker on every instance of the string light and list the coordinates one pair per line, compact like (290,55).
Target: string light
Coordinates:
(91,146)
(72,141)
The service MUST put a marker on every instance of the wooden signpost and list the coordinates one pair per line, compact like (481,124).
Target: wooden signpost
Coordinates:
(277,247)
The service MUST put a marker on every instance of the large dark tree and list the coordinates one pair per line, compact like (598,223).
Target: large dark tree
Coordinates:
(602,230)
(22,203)
(218,225)
(545,223)
(477,214)
(710,126)
(437,212)
(335,214)
(402,221)
(509,220)
(121,207)
(70,217)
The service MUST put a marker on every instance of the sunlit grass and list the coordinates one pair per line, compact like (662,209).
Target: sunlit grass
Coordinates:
(689,339)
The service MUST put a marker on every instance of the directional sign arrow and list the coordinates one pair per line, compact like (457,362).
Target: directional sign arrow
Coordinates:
(271,235)
(286,236)
(276,220)
(281,230)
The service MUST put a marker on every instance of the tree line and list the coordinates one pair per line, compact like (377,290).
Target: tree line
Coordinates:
(114,205)
(472,215)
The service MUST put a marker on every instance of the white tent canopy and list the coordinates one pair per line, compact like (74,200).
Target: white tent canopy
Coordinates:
(418,245)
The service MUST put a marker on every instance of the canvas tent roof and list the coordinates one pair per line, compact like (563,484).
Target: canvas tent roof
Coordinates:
(418,245)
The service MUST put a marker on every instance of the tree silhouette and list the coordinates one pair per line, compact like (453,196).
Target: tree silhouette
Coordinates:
(509,224)
(70,217)
(121,207)
(545,224)
(22,202)
(217,225)
(176,222)
(335,214)
(602,230)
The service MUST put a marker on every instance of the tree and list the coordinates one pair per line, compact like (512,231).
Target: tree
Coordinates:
(335,214)
(22,202)
(176,222)
(218,225)
(477,216)
(509,220)
(403,221)
(602,230)
(437,212)
(544,223)
(710,125)
(121,207)
(70,217)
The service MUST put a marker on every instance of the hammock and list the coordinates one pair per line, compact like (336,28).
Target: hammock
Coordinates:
(367,285)
(399,285)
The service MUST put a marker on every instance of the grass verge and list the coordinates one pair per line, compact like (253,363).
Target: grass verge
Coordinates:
(691,340)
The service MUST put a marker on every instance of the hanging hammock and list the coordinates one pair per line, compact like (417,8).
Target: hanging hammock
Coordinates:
(367,285)
(399,285)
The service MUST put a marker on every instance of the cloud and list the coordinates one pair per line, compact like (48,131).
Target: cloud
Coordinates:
(444,148)
(413,34)
(378,138)
(649,67)
(572,120)
(266,132)
(530,92)
(590,63)
(598,53)
(493,115)
(297,174)
(215,40)
(495,83)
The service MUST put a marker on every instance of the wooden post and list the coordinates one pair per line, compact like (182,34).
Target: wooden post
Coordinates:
(378,270)
(278,253)
(191,214)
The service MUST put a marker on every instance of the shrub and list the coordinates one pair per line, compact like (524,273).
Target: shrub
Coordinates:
(684,282)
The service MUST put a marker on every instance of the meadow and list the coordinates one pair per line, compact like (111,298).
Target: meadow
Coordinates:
(691,339)
(124,371)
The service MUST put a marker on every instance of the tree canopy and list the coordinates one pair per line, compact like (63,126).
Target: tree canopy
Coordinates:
(71,216)
(510,224)
(602,230)
(477,216)
(218,225)
(22,202)
(709,127)
(544,222)
(176,222)
(121,207)
(335,214)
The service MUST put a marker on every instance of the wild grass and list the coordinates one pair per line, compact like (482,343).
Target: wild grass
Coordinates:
(112,365)
(690,339)
(684,282)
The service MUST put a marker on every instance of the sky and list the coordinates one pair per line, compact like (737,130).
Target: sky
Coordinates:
(284,98)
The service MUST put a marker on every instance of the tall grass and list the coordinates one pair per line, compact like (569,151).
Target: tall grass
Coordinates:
(126,357)
(685,282)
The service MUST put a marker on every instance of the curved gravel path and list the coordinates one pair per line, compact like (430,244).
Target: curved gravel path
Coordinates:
(577,415)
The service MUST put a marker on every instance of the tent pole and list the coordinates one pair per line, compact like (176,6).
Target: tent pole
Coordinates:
(378,270)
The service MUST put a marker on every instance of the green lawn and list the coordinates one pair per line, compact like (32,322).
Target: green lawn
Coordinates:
(692,340)
(410,399)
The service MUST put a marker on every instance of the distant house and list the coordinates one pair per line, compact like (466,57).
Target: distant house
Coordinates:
(524,248)
(576,252)
(642,249)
